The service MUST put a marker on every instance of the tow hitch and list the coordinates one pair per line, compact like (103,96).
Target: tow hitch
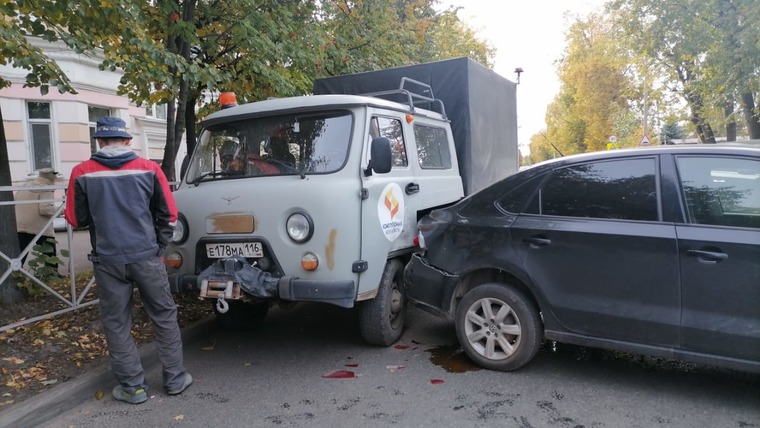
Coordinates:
(230,279)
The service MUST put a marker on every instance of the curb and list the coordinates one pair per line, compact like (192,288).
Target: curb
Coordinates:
(72,393)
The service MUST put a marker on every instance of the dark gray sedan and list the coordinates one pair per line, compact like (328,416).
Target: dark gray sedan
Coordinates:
(650,251)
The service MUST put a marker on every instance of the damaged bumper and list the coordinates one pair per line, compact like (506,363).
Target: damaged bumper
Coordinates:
(233,278)
(429,287)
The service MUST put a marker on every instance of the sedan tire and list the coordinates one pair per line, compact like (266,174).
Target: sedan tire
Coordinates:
(498,327)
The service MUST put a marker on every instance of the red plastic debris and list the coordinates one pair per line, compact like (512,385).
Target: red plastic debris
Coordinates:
(339,374)
(436,381)
(352,365)
(401,346)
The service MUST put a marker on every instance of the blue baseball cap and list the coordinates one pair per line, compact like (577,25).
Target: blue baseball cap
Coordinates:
(111,127)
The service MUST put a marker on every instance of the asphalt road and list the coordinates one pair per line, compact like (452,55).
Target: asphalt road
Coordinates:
(275,376)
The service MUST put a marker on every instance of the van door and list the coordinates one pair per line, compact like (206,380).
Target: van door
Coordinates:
(389,220)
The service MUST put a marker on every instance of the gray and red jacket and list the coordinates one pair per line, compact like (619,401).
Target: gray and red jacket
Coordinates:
(127,204)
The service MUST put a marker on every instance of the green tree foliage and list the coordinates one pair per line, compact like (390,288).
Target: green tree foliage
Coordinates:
(595,94)
(706,49)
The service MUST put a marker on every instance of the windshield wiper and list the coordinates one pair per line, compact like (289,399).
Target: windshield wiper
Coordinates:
(200,178)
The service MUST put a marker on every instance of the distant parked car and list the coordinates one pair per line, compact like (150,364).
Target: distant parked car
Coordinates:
(650,251)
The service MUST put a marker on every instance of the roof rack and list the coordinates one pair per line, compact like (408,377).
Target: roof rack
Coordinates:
(412,99)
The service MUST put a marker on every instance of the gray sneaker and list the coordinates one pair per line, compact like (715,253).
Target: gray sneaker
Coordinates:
(187,381)
(137,396)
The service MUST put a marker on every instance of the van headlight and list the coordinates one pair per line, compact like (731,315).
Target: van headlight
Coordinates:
(300,227)
(180,230)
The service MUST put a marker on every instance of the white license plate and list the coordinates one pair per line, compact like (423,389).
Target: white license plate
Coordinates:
(245,249)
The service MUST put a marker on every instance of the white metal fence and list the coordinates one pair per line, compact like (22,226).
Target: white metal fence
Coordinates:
(76,299)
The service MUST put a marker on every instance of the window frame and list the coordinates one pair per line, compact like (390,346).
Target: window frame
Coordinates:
(92,124)
(32,145)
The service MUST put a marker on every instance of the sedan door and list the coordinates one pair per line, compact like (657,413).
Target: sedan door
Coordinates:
(720,255)
(593,244)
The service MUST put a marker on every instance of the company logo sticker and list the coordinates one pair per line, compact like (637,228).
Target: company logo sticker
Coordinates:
(390,210)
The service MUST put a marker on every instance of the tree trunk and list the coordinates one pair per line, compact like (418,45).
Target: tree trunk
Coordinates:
(751,116)
(9,292)
(728,112)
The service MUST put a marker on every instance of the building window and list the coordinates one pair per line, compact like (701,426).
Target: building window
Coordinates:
(40,134)
(157,111)
(95,113)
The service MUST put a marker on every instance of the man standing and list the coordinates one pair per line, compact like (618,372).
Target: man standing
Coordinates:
(126,202)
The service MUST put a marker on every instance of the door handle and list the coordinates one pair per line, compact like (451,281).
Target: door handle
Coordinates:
(412,188)
(707,256)
(536,242)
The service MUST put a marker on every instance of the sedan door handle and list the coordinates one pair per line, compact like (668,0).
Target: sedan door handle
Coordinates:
(707,256)
(537,242)
(412,188)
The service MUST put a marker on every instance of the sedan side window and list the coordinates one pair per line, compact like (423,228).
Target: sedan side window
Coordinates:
(721,191)
(621,189)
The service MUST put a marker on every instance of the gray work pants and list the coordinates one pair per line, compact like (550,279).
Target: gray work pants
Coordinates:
(115,289)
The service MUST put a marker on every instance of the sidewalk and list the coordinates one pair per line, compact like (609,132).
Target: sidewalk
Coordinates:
(37,410)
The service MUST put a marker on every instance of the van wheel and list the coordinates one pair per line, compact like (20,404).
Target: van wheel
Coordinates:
(381,320)
(241,316)
(498,327)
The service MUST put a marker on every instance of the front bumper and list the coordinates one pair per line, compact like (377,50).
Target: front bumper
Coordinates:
(231,278)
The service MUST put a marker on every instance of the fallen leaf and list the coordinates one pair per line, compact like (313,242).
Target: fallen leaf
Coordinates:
(14,360)
(210,347)
(99,395)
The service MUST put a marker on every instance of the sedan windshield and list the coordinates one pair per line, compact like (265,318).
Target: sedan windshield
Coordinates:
(295,144)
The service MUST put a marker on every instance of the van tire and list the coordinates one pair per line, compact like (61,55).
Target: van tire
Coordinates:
(381,320)
(241,316)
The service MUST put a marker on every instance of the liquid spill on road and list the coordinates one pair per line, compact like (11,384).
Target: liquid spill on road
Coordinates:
(452,359)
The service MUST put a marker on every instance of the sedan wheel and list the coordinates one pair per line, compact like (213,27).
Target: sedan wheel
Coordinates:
(498,327)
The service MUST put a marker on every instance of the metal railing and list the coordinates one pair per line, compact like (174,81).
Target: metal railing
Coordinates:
(76,300)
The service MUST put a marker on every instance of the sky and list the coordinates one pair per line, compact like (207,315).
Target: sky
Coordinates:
(529,34)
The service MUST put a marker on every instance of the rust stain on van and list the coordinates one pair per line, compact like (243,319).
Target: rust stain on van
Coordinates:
(241,223)
(330,249)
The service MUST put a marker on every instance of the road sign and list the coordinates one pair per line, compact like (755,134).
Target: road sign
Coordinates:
(645,141)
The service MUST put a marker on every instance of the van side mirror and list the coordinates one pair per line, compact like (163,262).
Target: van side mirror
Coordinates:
(381,159)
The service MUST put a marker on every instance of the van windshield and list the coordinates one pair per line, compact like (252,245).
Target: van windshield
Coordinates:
(294,144)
